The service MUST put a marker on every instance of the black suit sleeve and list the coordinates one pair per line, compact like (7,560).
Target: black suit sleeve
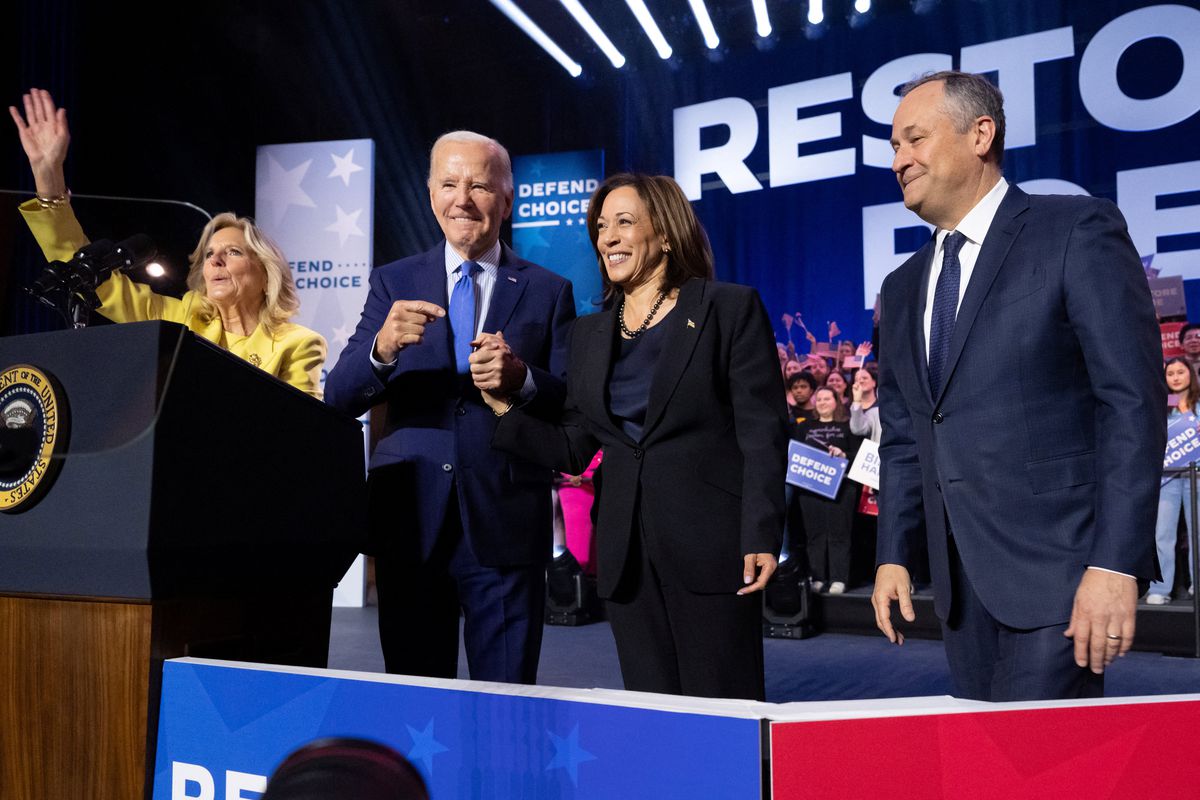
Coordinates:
(761,425)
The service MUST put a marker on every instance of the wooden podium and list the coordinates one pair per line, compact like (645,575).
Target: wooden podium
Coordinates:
(202,508)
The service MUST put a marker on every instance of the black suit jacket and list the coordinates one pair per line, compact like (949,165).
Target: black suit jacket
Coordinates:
(707,477)
(1043,450)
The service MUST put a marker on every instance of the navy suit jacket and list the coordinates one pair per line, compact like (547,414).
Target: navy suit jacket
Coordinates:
(1043,452)
(438,430)
(706,480)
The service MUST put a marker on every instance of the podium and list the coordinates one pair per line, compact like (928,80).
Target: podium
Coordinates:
(201,507)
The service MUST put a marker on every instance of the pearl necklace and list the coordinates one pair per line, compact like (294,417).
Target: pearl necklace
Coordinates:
(645,323)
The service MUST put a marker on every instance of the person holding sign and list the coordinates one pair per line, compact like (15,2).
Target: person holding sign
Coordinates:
(240,295)
(676,380)
(1177,491)
(828,523)
(1021,397)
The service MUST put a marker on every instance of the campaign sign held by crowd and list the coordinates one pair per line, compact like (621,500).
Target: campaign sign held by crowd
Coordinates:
(815,470)
(1183,444)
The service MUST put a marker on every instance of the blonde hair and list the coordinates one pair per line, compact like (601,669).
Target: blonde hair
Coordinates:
(280,303)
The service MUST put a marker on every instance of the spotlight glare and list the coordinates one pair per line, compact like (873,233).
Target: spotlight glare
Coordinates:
(593,30)
(638,7)
(761,20)
(155,269)
(522,21)
(862,6)
(816,12)
(700,12)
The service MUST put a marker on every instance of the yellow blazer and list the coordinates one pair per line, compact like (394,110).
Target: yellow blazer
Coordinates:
(295,354)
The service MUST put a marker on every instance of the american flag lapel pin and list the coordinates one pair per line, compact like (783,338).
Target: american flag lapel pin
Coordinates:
(691,324)
(511,278)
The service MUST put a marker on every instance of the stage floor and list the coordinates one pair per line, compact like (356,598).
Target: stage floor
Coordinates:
(831,666)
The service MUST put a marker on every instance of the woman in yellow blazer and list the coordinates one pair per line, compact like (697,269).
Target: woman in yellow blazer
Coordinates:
(240,291)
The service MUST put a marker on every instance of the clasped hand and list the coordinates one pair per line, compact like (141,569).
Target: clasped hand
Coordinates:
(495,369)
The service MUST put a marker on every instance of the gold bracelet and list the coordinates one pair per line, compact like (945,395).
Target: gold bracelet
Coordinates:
(58,201)
(507,409)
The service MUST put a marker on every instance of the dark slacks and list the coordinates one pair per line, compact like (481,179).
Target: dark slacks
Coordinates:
(991,661)
(828,525)
(420,602)
(673,641)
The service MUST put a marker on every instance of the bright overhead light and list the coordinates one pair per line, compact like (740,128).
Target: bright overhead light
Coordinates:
(522,21)
(593,30)
(155,269)
(700,12)
(638,7)
(761,21)
(816,12)
(862,6)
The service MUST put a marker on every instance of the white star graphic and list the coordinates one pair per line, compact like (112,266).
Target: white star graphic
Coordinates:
(281,189)
(344,166)
(346,225)
(341,335)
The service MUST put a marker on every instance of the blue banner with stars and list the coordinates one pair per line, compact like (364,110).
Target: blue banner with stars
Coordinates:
(550,206)
(224,728)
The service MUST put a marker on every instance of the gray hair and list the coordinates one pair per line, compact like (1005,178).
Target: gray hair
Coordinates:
(968,97)
(471,137)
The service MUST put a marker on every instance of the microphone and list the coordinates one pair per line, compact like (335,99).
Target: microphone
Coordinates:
(92,264)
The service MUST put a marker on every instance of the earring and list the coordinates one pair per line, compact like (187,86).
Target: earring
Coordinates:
(666,248)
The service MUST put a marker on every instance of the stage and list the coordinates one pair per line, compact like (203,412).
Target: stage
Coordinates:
(831,666)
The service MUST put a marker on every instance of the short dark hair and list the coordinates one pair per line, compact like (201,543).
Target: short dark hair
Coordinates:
(968,97)
(671,216)
(1191,326)
(802,377)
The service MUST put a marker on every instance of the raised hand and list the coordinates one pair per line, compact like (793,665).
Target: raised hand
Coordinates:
(45,138)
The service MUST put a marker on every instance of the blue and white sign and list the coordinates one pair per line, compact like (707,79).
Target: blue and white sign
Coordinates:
(550,217)
(316,200)
(1183,443)
(225,727)
(815,470)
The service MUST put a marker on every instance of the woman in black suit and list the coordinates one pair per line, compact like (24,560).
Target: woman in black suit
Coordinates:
(677,380)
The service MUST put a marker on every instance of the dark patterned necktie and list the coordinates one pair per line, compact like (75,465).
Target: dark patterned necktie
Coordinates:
(945,309)
(462,315)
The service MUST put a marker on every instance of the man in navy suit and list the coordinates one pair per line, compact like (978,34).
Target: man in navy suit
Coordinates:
(455,525)
(1022,403)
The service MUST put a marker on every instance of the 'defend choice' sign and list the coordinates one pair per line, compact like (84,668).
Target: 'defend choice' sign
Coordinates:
(792,127)
(550,217)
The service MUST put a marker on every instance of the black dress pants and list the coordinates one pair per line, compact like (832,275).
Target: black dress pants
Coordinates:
(673,641)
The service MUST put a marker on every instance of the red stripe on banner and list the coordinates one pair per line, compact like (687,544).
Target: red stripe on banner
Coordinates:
(1137,750)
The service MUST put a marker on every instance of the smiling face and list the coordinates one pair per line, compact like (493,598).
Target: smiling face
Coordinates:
(836,382)
(631,251)
(825,401)
(943,173)
(1179,378)
(469,196)
(231,273)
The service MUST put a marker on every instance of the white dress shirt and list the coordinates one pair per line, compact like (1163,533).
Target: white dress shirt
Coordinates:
(974,226)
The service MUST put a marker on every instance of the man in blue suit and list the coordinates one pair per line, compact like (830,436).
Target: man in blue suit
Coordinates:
(455,525)
(1022,402)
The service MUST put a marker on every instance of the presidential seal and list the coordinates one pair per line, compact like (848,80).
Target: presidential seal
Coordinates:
(33,435)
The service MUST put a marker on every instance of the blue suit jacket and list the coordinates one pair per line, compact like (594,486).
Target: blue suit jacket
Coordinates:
(1044,450)
(438,430)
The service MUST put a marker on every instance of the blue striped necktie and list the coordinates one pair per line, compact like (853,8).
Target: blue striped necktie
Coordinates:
(945,310)
(462,315)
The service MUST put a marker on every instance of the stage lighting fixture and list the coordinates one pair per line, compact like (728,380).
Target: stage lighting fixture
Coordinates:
(571,597)
(700,12)
(787,604)
(155,269)
(593,30)
(638,7)
(761,20)
(816,12)
(862,6)
(522,21)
